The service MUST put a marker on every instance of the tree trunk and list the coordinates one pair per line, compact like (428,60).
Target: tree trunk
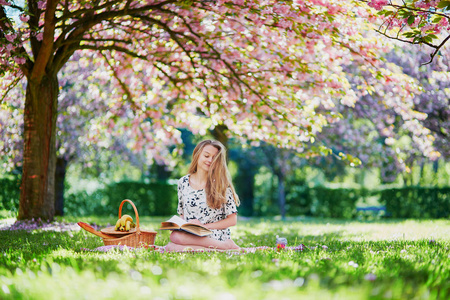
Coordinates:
(37,196)
(422,167)
(219,134)
(60,176)
(161,172)
(281,195)
(245,186)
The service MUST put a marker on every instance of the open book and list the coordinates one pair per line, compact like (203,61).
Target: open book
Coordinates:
(177,223)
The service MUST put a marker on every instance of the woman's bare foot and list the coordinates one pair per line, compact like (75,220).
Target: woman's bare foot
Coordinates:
(230,244)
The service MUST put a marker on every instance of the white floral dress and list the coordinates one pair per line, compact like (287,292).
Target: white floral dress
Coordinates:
(192,205)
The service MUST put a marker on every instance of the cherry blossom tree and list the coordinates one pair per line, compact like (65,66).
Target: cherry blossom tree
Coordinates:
(85,133)
(267,70)
(382,135)
(434,100)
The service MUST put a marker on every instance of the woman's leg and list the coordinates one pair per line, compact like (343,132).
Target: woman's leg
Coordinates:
(182,238)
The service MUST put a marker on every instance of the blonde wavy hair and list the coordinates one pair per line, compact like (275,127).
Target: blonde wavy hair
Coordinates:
(219,178)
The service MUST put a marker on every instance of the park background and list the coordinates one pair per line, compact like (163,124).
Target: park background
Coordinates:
(352,162)
(320,188)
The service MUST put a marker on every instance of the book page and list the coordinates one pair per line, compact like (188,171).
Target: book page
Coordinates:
(197,229)
(176,220)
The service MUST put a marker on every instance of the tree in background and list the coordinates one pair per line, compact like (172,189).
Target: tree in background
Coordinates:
(87,135)
(261,68)
(382,135)
(434,100)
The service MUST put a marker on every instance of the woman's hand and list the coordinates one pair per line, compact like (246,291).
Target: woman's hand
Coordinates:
(195,221)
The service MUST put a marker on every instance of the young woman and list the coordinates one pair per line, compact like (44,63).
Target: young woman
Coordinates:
(206,196)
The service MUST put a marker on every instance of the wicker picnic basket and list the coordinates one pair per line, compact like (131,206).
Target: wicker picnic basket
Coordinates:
(138,238)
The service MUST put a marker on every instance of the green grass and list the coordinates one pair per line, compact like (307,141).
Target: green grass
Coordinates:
(345,260)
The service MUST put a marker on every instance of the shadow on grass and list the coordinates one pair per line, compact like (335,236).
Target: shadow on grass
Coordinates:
(331,221)
(248,239)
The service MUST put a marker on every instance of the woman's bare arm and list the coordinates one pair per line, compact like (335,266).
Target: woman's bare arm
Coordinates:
(229,221)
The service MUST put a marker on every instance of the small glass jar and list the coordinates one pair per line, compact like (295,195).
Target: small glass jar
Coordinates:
(281,243)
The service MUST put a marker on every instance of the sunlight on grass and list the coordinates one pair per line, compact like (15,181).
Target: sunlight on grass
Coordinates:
(404,259)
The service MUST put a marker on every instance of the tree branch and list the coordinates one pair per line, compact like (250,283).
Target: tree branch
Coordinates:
(78,28)
(404,6)
(5,25)
(121,83)
(94,40)
(111,47)
(82,11)
(46,49)
(173,35)
(432,55)
(82,25)
(126,90)
(10,87)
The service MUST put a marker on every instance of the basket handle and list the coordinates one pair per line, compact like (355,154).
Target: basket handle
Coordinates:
(138,230)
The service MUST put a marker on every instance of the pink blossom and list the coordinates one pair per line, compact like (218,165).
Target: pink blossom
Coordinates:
(427,4)
(281,9)
(378,4)
(3,2)
(333,9)
(20,60)
(284,24)
(353,264)
(42,4)
(11,37)
(223,10)
(426,28)
(24,18)
(443,22)
(40,36)
(370,277)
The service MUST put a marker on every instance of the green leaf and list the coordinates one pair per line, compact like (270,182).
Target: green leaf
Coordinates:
(437,19)
(409,34)
(411,19)
(427,39)
(443,4)
(404,13)
(385,12)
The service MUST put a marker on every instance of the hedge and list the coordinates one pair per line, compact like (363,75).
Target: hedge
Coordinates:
(160,199)
(151,199)
(335,203)
(416,202)
(10,193)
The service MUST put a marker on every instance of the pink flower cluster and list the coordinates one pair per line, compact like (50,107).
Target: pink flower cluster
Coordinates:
(378,4)
(30,225)
(24,18)
(427,4)
(42,4)
(248,250)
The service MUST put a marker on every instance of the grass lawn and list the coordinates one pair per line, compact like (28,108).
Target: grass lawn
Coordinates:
(398,259)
